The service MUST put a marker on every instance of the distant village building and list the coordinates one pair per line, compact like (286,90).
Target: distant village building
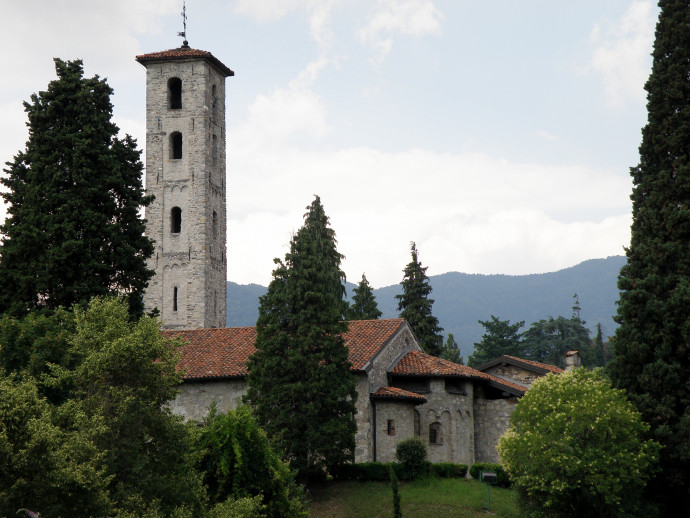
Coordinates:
(460,412)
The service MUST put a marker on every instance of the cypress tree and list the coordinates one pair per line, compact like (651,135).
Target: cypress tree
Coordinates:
(300,382)
(652,344)
(74,196)
(451,350)
(364,305)
(415,305)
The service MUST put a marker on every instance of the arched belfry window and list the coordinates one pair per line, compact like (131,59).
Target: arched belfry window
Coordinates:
(176,145)
(175,220)
(175,93)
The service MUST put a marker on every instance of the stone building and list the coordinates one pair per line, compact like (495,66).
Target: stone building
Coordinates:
(459,412)
(520,371)
(185,171)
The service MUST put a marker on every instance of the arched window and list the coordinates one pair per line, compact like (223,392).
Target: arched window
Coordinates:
(214,224)
(175,298)
(435,436)
(175,93)
(176,220)
(176,145)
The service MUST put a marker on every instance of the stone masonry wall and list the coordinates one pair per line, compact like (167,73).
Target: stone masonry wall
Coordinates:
(491,417)
(513,373)
(194,260)
(401,415)
(195,397)
(363,418)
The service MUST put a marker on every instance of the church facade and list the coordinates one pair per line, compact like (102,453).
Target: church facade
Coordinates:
(402,392)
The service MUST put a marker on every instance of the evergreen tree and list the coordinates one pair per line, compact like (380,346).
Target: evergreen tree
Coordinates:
(414,305)
(364,305)
(547,341)
(500,337)
(74,194)
(451,350)
(652,355)
(300,382)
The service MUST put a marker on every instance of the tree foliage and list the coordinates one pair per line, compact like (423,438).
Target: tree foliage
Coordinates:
(500,338)
(575,448)
(451,350)
(42,465)
(73,229)
(238,462)
(364,305)
(415,305)
(652,355)
(300,383)
(548,340)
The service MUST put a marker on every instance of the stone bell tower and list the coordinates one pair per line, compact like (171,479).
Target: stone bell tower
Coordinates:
(185,171)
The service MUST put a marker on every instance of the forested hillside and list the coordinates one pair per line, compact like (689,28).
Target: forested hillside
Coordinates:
(463,299)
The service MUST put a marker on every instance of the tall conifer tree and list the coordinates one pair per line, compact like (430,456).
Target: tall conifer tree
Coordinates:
(364,305)
(74,194)
(300,382)
(415,305)
(652,344)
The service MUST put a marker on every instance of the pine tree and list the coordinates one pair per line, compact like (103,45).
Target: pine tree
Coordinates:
(74,195)
(500,337)
(652,351)
(451,350)
(364,305)
(300,382)
(414,305)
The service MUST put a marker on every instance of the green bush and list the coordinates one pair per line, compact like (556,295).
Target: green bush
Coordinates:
(448,470)
(412,455)
(502,478)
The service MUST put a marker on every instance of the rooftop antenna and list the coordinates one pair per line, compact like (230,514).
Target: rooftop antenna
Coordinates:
(185,43)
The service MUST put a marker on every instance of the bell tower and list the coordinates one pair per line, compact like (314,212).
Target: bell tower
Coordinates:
(185,171)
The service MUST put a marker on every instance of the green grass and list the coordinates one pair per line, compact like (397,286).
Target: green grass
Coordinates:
(428,498)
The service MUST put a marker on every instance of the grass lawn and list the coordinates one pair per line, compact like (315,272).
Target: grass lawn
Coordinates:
(428,498)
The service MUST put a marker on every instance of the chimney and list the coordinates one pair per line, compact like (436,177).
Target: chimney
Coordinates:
(572,360)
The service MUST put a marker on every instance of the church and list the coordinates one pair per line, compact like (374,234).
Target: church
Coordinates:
(458,411)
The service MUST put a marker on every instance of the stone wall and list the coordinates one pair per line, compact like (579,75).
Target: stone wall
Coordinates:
(189,286)
(402,342)
(514,373)
(195,397)
(401,417)
(363,418)
(491,418)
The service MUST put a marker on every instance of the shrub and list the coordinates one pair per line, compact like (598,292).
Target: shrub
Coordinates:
(577,447)
(412,454)
(502,478)
(448,470)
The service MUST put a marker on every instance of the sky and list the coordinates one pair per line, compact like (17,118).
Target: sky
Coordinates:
(497,136)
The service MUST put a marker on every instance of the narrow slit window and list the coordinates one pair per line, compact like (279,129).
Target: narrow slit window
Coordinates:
(176,220)
(175,93)
(176,145)
(214,224)
(175,298)
(391,427)
(435,433)
(214,149)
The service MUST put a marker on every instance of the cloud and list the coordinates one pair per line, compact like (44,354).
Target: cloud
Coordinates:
(391,17)
(469,212)
(620,53)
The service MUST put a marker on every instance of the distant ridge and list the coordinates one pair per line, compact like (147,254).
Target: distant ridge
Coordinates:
(462,299)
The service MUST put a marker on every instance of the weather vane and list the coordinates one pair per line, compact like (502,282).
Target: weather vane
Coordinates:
(184,24)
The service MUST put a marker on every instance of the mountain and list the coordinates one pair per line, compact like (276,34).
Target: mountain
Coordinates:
(462,299)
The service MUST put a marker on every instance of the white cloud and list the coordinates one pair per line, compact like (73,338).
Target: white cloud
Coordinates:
(468,212)
(621,51)
(391,17)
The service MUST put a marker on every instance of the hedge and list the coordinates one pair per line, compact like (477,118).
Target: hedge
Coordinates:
(502,479)
(378,471)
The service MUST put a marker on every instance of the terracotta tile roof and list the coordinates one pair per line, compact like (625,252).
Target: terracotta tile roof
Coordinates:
(215,353)
(397,393)
(223,352)
(184,52)
(417,363)
(545,366)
